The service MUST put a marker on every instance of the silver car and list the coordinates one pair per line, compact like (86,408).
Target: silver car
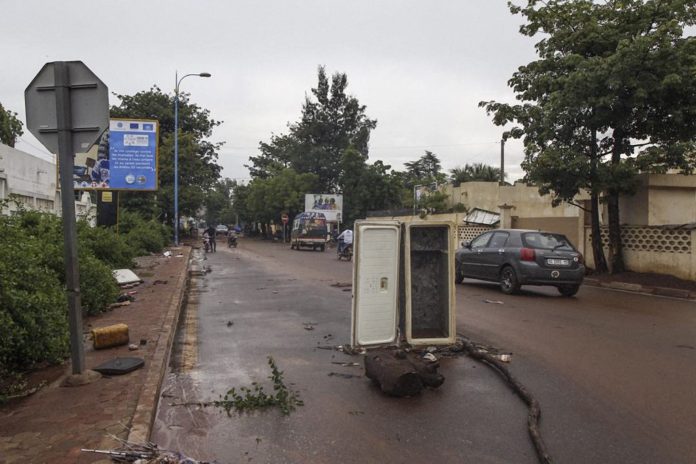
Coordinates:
(516,257)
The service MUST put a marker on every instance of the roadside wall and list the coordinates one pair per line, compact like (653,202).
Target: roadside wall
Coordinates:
(567,226)
(653,249)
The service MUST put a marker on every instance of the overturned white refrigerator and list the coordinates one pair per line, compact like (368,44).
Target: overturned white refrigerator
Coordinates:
(403,283)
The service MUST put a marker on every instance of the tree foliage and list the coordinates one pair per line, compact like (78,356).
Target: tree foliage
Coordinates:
(331,122)
(268,198)
(10,127)
(371,187)
(219,206)
(198,167)
(474,172)
(612,93)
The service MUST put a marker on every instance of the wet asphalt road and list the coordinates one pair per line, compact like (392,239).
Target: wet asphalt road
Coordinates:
(614,373)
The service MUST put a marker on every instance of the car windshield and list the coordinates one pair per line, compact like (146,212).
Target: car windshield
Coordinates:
(546,241)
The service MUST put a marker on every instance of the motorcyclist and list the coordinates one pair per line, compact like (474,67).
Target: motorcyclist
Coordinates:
(211,236)
(232,237)
(344,240)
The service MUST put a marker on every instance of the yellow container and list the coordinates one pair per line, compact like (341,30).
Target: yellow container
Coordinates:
(112,335)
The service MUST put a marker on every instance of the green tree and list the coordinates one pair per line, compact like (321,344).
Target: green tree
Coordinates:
(267,199)
(425,170)
(10,127)
(371,186)
(611,93)
(218,203)
(198,168)
(475,172)
(331,121)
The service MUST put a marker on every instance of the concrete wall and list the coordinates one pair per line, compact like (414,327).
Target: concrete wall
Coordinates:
(661,199)
(680,262)
(524,198)
(567,226)
(32,181)
(30,178)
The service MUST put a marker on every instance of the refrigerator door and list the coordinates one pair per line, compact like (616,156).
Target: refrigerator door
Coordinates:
(375,283)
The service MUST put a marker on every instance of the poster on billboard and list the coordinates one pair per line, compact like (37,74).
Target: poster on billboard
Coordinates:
(125,158)
(329,204)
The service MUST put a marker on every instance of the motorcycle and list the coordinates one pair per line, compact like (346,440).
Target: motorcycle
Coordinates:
(206,244)
(344,251)
(232,241)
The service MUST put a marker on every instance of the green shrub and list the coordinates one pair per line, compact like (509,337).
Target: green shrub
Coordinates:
(33,315)
(98,287)
(106,245)
(143,236)
(33,303)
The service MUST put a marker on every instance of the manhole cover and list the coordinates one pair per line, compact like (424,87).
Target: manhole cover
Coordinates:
(120,366)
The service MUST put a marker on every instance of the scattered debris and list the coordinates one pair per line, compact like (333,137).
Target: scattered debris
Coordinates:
(346,364)
(347,289)
(401,374)
(493,301)
(504,357)
(126,277)
(179,256)
(309,325)
(356,413)
(132,347)
(160,282)
(342,284)
(342,375)
(112,335)
(143,341)
(145,454)
(230,323)
(430,357)
(120,366)
(167,254)
(275,292)
(125,297)
(255,397)
(118,305)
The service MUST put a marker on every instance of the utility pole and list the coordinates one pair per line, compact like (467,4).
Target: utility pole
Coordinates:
(502,161)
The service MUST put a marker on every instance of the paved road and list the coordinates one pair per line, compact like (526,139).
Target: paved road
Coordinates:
(613,372)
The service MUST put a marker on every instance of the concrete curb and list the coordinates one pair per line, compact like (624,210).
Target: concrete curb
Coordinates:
(638,288)
(144,416)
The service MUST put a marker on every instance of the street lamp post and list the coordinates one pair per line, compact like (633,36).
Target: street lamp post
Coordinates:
(176,150)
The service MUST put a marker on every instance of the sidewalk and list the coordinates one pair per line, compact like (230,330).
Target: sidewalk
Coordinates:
(53,424)
(652,284)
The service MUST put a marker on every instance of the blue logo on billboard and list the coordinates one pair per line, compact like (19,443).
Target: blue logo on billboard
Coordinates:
(134,125)
(148,127)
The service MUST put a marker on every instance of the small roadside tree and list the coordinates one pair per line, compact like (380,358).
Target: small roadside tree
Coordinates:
(611,93)
(10,127)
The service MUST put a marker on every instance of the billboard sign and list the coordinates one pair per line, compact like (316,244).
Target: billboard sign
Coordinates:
(329,204)
(125,159)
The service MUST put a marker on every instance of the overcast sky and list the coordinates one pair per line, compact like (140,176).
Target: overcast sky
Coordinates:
(420,67)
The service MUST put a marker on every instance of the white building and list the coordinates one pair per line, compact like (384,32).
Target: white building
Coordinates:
(32,181)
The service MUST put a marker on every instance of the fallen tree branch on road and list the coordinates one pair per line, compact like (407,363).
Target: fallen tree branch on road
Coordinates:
(534,414)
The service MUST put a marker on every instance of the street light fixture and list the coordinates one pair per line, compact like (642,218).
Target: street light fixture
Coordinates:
(176,149)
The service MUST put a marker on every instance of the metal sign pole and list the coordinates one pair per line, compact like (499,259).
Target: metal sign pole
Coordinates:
(66,161)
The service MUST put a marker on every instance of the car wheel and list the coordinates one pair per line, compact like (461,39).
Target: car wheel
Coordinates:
(568,290)
(458,275)
(508,281)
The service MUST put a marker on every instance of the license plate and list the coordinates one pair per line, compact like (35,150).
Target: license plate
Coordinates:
(557,262)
